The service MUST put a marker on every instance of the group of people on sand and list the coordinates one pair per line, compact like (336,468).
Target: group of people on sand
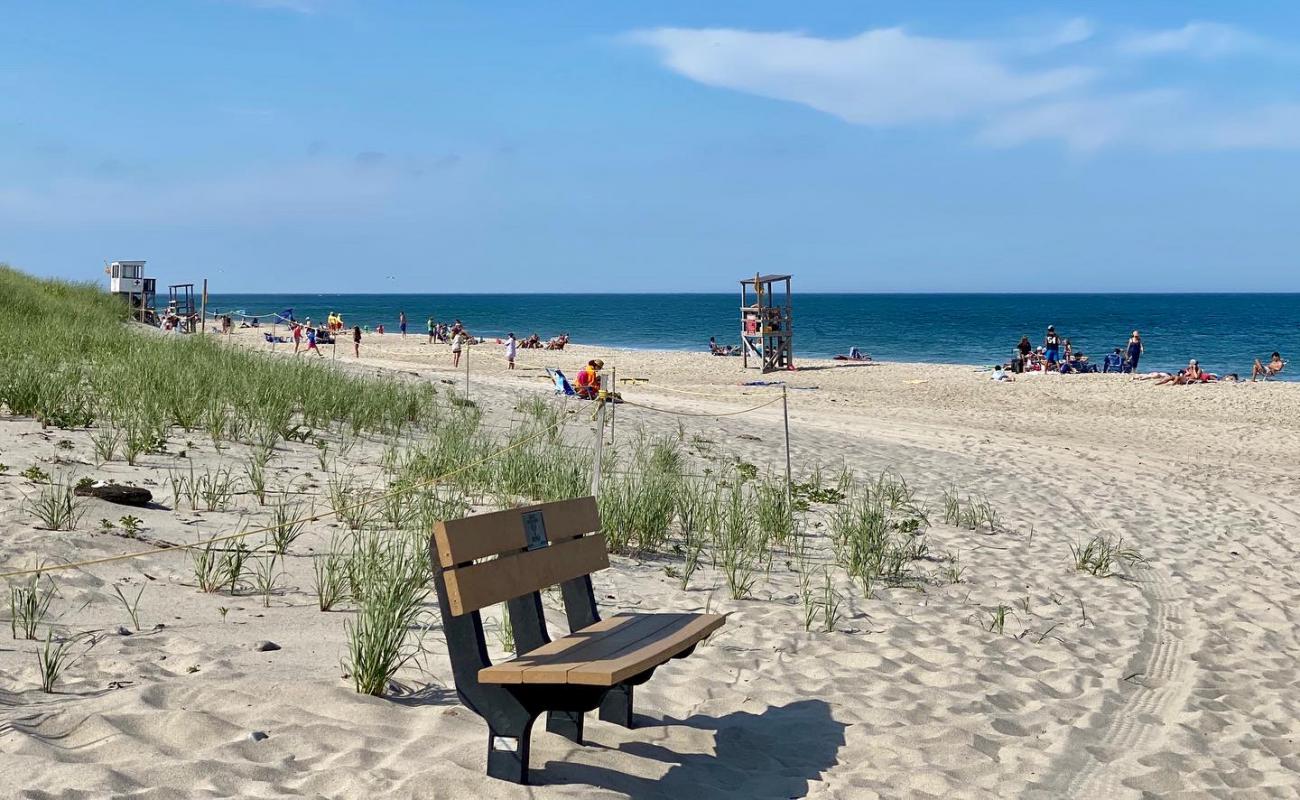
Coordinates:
(1056,354)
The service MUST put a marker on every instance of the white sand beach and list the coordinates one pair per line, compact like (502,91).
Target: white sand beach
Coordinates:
(1175,677)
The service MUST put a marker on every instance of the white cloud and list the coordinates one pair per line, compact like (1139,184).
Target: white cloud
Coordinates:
(254,198)
(1201,39)
(1163,120)
(884,76)
(1004,90)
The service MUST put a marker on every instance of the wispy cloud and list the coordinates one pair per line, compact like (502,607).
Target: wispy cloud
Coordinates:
(880,77)
(1057,85)
(308,190)
(1201,39)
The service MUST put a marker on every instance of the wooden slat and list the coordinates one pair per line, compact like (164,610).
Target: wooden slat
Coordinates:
(555,668)
(513,671)
(461,540)
(475,586)
(668,643)
(609,652)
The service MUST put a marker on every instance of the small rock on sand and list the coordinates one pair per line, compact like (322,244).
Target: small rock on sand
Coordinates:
(113,493)
(257,736)
(266,646)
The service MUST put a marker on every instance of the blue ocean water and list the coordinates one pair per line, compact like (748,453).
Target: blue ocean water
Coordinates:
(1225,332)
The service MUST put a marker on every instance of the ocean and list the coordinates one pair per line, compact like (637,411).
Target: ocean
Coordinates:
(1225,332)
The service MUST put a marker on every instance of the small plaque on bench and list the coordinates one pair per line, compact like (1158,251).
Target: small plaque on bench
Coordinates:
(535,530)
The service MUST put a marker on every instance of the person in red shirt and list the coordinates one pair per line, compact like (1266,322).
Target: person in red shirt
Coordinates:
(589,379)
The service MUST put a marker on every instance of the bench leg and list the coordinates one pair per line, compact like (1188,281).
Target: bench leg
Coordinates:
(617,706)
(507,757)
(566,723)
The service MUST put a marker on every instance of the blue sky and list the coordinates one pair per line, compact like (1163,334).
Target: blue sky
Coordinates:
(341,145)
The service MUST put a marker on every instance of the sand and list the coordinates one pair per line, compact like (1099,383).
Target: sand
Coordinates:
(1177,678)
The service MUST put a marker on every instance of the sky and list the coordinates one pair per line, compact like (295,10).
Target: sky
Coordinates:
(923,146)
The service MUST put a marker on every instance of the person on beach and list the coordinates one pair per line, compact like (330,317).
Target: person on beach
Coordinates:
(432,328)
(1133,354)
(1192,374)
(311,342)
(1114,362)
(1069,351)
(379,329)
(297,338)
(457,342)
(512,348)
(356,341)
(1272,368)
(401,322)
(1051,347)
(588,387)
(1001,375)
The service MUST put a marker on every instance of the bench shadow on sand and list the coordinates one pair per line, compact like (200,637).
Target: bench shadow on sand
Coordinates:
(775,754)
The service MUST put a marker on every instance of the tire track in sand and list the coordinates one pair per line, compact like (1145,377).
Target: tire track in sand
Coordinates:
(1157,682)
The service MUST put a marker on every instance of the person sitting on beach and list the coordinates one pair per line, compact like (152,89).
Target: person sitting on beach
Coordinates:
(558,342)
(588,386)
(254,323)
(1274,366)
(356,341)
(1001,375)
(1114,362)
(512,349)
(1191,374)
(533,342)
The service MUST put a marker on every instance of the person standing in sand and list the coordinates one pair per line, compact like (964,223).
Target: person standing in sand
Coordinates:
(401,322)
(1051,346)
(431,329)
(1133,353)
(297,337)
(457,342)
(311,342)
(512,348)
(356,341)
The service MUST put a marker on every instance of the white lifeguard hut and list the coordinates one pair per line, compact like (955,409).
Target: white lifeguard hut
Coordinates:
(126,278)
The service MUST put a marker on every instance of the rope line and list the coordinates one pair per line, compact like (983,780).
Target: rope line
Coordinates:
(692,414)
(268,528)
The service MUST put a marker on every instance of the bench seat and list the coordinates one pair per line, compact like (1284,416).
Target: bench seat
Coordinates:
(608,652)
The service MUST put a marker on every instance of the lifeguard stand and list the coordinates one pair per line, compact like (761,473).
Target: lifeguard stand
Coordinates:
(180,299)
(766,329)
(126,279)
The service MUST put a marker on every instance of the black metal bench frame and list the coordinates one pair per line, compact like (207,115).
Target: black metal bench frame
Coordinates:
(511,709)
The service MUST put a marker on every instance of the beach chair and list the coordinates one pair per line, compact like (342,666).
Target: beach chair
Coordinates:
(562,385)
(596,666)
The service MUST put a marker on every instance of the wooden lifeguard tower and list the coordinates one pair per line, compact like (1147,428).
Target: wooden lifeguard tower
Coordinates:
(766,327)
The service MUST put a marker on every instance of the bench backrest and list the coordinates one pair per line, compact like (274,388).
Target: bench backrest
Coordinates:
(535,547)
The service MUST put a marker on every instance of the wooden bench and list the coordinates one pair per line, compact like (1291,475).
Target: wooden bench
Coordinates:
(510,556)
